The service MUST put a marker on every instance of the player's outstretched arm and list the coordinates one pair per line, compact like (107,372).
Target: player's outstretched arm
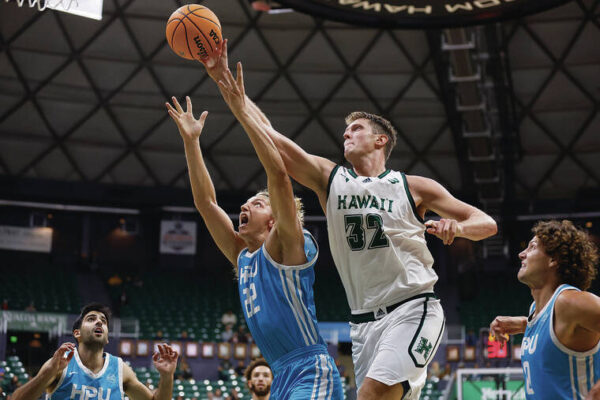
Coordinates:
(286,245)
(502,327)
(309,170)
(205,199)
(48,376)
(459,219)
(165,362)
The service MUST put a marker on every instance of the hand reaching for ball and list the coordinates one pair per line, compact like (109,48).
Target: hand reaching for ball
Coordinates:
(189,127)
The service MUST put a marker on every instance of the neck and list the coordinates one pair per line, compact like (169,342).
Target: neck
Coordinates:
(542,296)
(91,357)
(257,397)
(254,243)
(372,164)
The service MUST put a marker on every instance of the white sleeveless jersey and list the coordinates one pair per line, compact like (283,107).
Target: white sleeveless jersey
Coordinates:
(377,239)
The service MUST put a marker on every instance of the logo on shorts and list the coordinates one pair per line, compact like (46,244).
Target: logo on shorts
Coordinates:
(424,347)
(380,313)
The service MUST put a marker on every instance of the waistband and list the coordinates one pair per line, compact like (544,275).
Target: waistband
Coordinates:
(296,354)
(383,311)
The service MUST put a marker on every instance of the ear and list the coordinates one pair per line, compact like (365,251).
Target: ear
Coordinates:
(77,334)
(271,223)
(553,263)
(381,140)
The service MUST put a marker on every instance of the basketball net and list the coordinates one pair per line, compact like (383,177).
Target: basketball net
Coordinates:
(43,4)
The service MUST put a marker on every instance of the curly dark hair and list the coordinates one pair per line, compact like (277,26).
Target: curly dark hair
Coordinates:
(380,125)
(573,250)
(259,362)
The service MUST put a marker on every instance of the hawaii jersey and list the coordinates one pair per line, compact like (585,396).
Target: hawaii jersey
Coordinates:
(77,382)
(551,370)
(278,301)
(377,239)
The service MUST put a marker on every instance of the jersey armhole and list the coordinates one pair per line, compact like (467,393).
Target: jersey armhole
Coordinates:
(410,199)
(331,176)
(306,265)
(60,381)
(120,366)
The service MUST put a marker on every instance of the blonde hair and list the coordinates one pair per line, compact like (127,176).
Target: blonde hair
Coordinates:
(297,200)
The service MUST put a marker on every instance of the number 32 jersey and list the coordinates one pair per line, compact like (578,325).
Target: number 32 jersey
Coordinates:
(377,239)
(278,301)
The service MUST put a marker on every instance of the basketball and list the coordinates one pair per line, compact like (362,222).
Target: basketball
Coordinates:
(193,32)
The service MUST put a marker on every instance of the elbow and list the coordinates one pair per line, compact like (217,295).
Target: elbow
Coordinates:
(493,227)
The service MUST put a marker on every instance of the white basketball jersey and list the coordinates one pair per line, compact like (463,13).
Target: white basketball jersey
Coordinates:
(377,239)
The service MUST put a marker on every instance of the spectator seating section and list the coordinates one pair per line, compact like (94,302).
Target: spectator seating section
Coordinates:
(12,366)
(51,290)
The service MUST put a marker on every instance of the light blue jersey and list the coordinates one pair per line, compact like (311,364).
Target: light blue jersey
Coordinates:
(77,382)
(551,370)
(279,308)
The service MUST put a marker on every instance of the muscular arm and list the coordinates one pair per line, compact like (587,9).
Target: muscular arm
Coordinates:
(309,170)
(577,319)
(286,244)
(35,388)
(47,378)
(473,223)
(217,221)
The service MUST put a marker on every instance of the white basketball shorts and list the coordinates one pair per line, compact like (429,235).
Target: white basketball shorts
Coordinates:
(398,347)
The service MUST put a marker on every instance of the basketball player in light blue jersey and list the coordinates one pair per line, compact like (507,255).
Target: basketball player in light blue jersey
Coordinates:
(274,258)
(561,339)
(86,372)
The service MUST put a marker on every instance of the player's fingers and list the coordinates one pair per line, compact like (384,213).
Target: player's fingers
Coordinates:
(177,105)
(241,78)
(155,356)
(170,108)
(203,117)
(224,51)
(188,104)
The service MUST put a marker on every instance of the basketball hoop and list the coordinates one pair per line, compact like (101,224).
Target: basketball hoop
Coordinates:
(43,4)
(84,8)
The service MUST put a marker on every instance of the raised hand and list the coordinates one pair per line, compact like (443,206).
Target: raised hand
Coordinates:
(165,359)
(189,127)
(233,90)
(58,362)
(217,64)
(445,229)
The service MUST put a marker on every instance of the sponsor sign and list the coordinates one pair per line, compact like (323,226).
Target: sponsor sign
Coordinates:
(178,237)
(26,239)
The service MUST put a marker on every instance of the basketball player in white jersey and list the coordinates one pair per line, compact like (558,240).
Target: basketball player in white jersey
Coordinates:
(560,351)
(86,372)
(377,239)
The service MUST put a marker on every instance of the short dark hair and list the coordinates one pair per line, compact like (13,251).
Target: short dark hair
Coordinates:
(380,125)
(259,362)
(573,250)
(92,307)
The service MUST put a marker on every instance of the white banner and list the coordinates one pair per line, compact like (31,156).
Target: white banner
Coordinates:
(84,8)
(26,239)
(177,237)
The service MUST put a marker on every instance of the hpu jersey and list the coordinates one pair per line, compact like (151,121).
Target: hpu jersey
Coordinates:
(77,382)
(377,239)
(278,301)
(551,370)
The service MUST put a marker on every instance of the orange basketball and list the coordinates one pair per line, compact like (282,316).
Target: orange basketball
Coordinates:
(194,32)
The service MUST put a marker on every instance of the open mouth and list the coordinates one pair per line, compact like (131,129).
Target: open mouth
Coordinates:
(99,331)
(243,219)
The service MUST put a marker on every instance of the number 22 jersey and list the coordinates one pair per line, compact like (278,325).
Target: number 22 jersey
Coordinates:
(278,301)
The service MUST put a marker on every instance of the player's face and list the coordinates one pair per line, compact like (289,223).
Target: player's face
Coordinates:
(359,139)
(256,216)
(535,263)
(94,329)
(260,381)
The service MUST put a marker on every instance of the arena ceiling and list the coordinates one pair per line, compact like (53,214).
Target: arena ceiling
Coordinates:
(83,100)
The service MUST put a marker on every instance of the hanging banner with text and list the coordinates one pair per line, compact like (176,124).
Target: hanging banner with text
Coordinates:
(178,237)
(26,239)
(33,321)
(420,14)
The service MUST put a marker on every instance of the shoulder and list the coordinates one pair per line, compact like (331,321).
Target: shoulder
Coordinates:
(423,185)
(571,304)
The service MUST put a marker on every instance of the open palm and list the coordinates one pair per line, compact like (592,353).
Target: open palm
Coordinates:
(189,127)
(165,359)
